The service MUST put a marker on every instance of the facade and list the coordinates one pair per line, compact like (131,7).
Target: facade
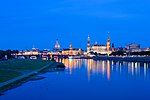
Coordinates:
(57,46)
(100,49)
(133,46)
(72,51)
(33,51)
(56,50)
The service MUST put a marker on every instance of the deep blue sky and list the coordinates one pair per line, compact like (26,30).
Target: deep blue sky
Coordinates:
(40,22)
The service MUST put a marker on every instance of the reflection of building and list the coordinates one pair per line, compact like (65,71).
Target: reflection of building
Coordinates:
(107,68)
(100,49)
(72,51)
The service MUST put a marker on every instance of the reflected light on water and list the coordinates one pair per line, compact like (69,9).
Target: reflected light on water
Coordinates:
(105,68)
(108,70)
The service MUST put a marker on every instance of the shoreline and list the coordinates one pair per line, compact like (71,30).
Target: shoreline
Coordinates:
(15,82)
(127,59)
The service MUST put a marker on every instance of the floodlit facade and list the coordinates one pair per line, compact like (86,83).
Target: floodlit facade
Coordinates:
(100,49)
(72,51)
(33,51)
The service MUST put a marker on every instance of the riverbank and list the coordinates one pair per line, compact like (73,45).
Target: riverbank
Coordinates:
(16,72)
(128,59)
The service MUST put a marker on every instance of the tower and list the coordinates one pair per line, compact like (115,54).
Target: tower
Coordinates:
(88,44)
(113,47)
(70,47)
(70,51)
(108,44)
(57,46)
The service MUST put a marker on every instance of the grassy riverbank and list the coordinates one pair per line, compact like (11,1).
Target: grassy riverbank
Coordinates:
(13,68)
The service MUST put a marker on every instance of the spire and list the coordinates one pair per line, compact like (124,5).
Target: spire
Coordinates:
(88,44)
(108,43)
(108,38)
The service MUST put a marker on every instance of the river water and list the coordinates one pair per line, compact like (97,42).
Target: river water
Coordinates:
(88,80)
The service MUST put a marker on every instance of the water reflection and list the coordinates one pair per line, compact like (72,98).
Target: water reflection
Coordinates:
(106,68)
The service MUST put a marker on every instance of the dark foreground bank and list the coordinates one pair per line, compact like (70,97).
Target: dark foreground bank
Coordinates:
(16,72)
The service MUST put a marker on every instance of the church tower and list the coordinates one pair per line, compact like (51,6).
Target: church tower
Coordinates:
(71,49)
(88,45)
(108,44)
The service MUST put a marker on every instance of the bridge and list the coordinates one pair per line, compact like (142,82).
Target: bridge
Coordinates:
(39,56)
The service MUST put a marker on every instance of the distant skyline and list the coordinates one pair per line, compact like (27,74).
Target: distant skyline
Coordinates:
(24,23)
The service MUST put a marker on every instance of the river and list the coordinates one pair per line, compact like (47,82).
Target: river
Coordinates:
(86,79)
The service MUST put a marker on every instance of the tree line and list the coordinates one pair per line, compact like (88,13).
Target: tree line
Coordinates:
(8,52)
(123,53)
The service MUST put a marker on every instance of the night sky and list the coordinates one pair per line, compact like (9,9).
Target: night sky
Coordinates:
(24,23)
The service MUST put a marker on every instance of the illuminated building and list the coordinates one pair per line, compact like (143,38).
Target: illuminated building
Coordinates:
(45,51)
(57,47)
(133,47)
(99,49)
(72,51)
(108,44)
(33,51)
(56,50)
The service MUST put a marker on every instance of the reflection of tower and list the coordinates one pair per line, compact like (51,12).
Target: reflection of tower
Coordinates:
(57,46)
(90,63)
(108,70)
(88,45)
(108,44)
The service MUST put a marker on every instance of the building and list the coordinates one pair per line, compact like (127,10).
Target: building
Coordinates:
(33,51)
(57,46)
(45,51)
(133,47)
(100,49)
(72,51)
(57,49)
